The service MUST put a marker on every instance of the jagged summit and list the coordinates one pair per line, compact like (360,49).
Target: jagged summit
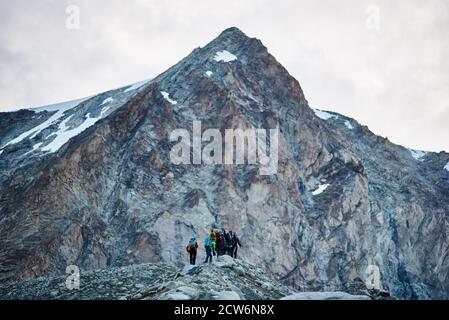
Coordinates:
(92,184)
(232,36)
(233,33)
(235,39)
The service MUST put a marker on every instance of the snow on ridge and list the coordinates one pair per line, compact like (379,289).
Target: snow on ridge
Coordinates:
(137,85)
(36,146)
(446,167)
(36,130)
(320,189)
(166,96)
(417,154)
(60,109)
(63,125)
(64,134)
(324,115)
(209,73)
(64,106)
(224,56)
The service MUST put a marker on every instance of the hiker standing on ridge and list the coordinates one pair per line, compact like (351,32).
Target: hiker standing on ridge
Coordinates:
(192,249)
(221,243)
(229,247)
(207,246)
(235,244)
(213,242)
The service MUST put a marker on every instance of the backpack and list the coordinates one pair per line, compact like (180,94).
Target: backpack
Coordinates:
(207,242)
(192,244)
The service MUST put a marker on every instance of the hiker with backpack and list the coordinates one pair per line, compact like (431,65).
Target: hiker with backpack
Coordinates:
(221,243)
(207,246)
(235,244)
(228,238)
(192,249)
(213,241)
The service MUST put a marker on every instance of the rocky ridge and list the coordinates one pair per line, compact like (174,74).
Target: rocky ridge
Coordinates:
(226,279)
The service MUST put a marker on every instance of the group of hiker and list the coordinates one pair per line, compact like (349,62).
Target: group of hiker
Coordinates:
(217,243)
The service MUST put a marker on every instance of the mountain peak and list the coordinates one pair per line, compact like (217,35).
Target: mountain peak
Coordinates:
(232,37)
(233,31)
(111,196)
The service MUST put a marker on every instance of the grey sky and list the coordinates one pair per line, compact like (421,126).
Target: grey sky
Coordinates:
(395,79)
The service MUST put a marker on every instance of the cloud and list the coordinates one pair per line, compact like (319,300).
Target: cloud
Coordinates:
(393,79)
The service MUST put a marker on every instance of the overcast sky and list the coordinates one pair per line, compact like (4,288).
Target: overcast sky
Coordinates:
(384,63)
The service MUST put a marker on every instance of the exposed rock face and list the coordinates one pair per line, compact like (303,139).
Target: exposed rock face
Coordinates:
(342,199)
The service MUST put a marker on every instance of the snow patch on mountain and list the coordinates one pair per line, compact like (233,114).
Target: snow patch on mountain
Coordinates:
(166,96)
(37,146)
(321,188)
(446,167)
(417,154)
(34,148)
(209,73)
(323,114)
(107,100)
(349,125)
(224,56)
(64,134)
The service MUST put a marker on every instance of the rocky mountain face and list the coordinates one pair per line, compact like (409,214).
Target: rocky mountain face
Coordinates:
(90,182)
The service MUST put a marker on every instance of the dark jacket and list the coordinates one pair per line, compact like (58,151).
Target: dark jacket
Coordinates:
(236,241)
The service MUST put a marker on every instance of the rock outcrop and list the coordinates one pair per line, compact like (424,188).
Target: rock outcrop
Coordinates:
(91,183)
